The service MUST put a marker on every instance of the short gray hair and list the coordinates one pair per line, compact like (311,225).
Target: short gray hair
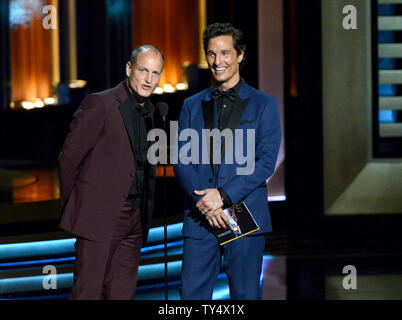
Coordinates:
(146,47)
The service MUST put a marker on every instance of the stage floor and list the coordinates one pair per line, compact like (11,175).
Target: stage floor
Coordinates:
(30,239)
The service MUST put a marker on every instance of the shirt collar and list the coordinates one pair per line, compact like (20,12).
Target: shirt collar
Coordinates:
(147,108)
(237,87)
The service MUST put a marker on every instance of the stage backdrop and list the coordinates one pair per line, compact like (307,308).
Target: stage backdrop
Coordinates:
(171,26)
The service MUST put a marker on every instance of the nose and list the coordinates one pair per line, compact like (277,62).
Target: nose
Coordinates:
(148,77)
(217,60)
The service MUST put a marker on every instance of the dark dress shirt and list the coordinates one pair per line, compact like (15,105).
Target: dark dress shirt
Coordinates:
(224,105)
(139,117)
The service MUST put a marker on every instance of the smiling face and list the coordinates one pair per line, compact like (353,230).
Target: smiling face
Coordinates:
(144,75)
(223,61)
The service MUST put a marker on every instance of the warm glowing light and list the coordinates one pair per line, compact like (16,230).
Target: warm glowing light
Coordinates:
(50,101)
(203,65)
(181,86)
(186,64)
(77,84)
(27,105)
(12,105)
(158,90)
(168,88)
(39,103)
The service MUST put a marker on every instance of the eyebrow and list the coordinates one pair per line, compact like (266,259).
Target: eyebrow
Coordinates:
(221,50)
(146,69)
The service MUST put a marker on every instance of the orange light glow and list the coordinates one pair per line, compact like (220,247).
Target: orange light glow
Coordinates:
(31,62)
(172,27)
(169,171)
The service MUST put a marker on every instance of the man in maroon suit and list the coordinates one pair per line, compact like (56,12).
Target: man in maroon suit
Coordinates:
(107,186)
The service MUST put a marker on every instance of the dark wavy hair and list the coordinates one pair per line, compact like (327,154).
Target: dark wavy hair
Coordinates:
(225,29)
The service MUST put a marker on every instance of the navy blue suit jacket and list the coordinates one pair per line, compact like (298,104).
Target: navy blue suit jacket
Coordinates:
(252,110)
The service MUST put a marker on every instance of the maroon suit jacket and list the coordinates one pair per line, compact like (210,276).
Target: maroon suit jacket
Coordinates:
(97,166)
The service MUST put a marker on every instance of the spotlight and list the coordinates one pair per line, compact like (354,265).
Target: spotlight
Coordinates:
(39,103)
(169,88)
(27,105)
(50,101)
(181,86)
(77,84)
(158,90)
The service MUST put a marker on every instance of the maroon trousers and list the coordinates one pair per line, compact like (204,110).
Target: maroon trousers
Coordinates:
(109,269)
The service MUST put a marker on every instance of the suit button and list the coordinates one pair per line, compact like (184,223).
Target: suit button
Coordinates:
(210,180)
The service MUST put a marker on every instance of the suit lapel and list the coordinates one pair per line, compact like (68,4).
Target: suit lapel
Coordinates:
(126,114)
(149,121)
(125,110)
(237,113)
(208,111)
(235,116)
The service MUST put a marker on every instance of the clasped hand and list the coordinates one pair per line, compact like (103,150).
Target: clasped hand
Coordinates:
(210,205)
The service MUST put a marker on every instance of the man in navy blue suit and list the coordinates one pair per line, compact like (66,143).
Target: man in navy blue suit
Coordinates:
(251,117)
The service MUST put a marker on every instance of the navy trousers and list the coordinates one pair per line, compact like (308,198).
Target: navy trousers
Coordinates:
(242,262)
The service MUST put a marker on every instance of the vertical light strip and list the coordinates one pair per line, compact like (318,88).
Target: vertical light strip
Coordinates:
(271,78)
(72,40)
(55,49)
(202,18)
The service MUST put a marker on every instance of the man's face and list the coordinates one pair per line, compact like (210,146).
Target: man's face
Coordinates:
(223,61)
(145,74)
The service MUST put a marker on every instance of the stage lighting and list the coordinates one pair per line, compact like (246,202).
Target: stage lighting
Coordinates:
(181,86)
(39,103)
(50,101)
(27,105)
(168,88)
(158,90)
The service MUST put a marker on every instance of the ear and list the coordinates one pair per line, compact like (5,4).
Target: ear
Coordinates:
(240,57)
(128,69)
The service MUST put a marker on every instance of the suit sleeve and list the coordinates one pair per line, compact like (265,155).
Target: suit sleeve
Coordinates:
(185,173)
(85,128)
(267,143)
